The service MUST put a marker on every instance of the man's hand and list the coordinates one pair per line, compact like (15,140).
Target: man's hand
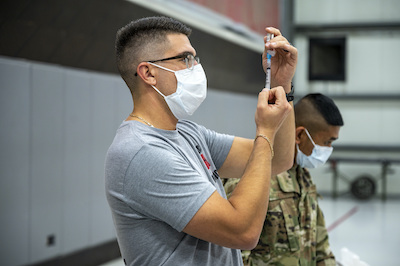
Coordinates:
(272,109)
(283,64)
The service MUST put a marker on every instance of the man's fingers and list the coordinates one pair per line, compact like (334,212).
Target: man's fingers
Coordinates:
(277,93)
(273,31)
(264,95)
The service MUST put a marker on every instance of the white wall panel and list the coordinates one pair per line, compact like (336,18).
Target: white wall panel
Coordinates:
(369,123)
(372,65)
(390,120)
(78,97)
(346,11)
(227,112)
(122,100)
(47,161)
(14,161)
(102,134)
(301,75)
(389,62)
(364,69)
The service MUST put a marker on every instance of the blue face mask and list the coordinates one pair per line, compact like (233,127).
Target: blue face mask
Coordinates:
(318,157)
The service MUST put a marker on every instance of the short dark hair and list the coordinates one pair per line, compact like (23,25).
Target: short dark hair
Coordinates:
(138,39)
(314,106)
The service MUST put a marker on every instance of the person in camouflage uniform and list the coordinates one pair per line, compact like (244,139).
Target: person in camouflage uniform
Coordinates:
(294,231)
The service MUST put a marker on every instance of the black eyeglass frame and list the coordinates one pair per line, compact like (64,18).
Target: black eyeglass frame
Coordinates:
(184,56)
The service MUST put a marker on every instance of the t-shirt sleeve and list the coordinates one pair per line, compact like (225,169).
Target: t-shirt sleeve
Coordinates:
(218,144)
(162,185)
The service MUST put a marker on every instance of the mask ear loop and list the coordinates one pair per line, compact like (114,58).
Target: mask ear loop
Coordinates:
(154,87)
(309,136)
(161,67)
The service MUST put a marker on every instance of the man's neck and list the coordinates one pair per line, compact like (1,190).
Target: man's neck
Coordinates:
(158,115)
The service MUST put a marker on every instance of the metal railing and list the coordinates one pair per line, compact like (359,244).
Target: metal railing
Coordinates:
(363,187)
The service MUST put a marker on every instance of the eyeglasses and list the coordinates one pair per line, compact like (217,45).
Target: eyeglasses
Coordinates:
(188,58)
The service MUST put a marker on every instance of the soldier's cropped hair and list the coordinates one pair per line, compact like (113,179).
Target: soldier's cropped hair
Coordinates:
(314,107)
(137,41)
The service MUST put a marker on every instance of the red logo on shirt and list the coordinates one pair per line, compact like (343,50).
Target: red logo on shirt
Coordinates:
(205,161)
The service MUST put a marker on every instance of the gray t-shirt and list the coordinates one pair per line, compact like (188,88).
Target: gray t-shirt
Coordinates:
(156,180)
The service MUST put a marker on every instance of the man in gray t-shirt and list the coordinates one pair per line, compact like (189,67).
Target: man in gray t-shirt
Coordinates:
(163,172)
(180,166)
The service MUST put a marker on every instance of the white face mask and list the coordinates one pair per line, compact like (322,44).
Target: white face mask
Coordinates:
(190,92)
(318,157)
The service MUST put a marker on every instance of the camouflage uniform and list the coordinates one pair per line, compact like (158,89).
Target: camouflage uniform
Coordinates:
(294,231)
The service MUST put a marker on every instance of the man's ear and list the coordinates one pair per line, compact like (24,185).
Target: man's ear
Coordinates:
(145,72)
(299,132)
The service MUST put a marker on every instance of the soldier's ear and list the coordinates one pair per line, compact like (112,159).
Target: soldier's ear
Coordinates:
(300,131)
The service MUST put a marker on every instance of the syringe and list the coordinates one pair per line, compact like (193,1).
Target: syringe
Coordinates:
(270,53)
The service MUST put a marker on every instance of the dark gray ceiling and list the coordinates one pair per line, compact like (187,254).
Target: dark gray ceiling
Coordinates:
(81,33)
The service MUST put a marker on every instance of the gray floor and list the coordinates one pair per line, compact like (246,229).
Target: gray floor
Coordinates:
(370,229)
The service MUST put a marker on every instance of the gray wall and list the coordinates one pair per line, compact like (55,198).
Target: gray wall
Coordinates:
(56,125)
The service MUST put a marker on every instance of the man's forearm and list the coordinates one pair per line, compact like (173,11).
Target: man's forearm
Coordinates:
(284,145)
(250,197)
